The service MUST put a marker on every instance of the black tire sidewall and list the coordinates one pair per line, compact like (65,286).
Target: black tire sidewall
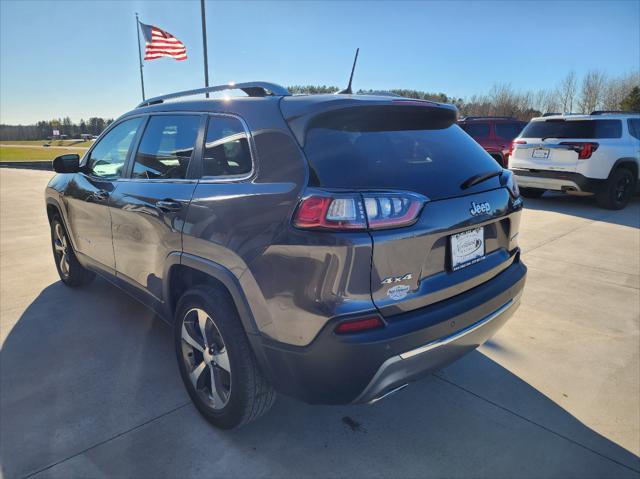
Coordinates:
(78,275)
(224,315)
(607,198)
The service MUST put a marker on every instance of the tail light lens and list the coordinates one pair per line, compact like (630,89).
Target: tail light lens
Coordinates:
(584,148)
(358,211)
(513,145)
(357,325)
(508,180)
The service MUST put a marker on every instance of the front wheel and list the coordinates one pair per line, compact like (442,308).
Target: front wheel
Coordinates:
(618,190)
(71,272)
(216,362)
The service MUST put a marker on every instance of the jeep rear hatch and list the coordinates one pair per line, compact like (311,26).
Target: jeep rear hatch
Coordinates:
(366,156)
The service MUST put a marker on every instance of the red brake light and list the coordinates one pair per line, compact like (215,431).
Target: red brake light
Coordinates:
(357,211)
(357,325)
(584,148)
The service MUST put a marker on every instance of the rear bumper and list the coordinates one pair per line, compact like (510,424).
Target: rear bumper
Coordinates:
(360,368)
(558,181)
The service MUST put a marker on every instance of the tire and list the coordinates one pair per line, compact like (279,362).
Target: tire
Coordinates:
(71,272)
(242,394)
(618,190)
(531,192)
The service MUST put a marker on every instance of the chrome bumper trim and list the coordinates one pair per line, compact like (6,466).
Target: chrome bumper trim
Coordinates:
(463,332)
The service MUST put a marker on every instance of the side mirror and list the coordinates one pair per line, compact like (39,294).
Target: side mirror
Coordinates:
(67,164)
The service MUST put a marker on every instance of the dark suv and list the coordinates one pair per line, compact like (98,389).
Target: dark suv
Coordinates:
(494,134)
(330,247)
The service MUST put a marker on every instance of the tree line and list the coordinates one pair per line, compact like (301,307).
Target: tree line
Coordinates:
(594,91)
(44,129)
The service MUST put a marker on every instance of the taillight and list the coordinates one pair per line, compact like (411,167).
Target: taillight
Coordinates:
(357,325)
(358,211)
(584,148)
(513,145)
(508,180)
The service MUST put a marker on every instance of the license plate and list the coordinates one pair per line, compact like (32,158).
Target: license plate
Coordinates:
(540,153)
(467,248)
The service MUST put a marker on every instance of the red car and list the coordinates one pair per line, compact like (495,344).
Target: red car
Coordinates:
(493,133)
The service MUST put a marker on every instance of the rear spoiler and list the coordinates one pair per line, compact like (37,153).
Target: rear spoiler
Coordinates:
(352,113)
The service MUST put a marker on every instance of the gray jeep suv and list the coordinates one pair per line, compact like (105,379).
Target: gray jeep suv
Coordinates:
(333,248)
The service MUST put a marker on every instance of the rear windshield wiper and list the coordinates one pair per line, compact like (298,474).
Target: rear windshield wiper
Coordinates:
(474,180)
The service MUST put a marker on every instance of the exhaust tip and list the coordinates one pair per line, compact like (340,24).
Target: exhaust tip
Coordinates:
(388,393)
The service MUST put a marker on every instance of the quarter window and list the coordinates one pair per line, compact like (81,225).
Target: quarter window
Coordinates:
(226,151)
(166,147)
(634,127)
(107,158)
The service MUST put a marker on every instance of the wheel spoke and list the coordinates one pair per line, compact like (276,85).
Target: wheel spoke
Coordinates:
(202,323)
(59,248)
(64,264)
(190,340)
(216,389)
(222,360)
(196,373)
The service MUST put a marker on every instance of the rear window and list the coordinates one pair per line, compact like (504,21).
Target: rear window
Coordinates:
(377,151)
(476,130)
(582,129)
(508,131)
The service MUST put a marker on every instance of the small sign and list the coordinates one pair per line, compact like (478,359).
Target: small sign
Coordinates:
(56,132)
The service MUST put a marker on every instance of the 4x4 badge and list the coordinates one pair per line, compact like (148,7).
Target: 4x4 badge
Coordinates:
(396,279)
(479,208)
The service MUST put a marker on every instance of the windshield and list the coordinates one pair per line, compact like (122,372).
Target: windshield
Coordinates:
(583,129)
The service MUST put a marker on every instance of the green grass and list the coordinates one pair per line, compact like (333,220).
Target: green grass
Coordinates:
(78,143)
(36,153)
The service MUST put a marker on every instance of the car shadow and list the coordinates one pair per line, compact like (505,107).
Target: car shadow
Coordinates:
(89,387)
(586,207)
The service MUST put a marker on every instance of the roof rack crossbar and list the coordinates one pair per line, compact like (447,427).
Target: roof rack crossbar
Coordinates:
(255,88)
(488,118)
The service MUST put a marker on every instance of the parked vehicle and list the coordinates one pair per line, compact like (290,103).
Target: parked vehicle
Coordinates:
(330,247)
(494,134)
(597,154)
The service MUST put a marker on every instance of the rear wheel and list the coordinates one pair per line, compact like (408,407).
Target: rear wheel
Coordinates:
(216,362)
(618,190)
(531,192)
(71,272)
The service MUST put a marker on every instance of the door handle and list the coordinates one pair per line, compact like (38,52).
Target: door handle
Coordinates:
(168,205)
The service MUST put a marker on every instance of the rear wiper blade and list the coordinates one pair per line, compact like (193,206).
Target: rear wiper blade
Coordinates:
(474,180)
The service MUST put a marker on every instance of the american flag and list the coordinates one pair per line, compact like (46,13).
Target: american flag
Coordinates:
(161,44)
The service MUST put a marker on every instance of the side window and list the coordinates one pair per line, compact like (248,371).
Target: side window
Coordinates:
(226,151)
(108,156)
(508,131)
(166,147)
(477,130)
(634,127)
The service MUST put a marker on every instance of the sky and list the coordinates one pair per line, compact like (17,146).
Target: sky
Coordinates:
(80,59)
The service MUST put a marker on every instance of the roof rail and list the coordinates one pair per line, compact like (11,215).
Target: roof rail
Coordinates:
(254,88)
(612,112)
(488,118)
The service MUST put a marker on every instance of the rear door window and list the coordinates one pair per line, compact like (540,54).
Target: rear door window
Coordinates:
(508,131)
(166,147)
(477,130)
(581,129)
(372,149)
(226,151)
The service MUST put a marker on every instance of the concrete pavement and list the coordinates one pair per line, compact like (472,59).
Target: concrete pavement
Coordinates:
(89,386)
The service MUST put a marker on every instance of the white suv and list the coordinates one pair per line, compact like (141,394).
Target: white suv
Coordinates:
(597,154)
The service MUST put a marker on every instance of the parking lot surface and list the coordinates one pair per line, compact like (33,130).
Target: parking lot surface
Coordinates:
(89,385)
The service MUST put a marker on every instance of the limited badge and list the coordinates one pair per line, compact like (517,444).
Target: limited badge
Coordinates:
(398,292)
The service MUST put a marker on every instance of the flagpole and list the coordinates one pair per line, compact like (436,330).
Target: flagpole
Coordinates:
(204,46)
(140,55)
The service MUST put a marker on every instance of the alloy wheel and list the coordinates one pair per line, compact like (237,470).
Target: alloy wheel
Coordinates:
(205,357)
(622,188)
(60,246)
